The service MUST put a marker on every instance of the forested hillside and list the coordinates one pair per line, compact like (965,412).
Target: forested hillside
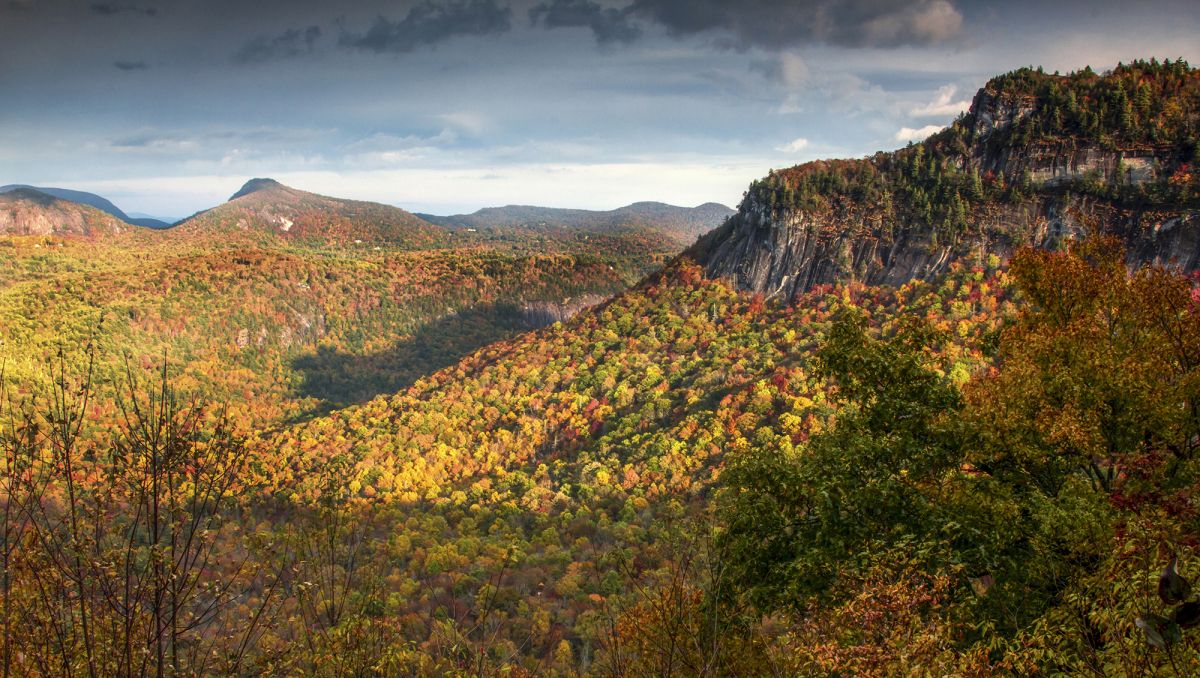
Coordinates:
(356,300)
(1039,157)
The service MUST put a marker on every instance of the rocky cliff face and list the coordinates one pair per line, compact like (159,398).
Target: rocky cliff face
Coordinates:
(1051,163)
(781,250)
(785,255)
(538,314)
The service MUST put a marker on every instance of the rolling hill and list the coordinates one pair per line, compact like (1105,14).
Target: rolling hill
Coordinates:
(682,224)
(264,210)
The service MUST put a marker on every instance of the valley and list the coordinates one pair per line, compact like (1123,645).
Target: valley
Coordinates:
(289,301)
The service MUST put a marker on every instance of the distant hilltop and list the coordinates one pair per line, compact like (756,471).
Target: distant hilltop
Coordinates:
(26,211)
(682,223)
(91,200)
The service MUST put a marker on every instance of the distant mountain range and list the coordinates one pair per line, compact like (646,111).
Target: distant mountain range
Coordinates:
(265,208)
(682,223)
(92,200)
(152,217)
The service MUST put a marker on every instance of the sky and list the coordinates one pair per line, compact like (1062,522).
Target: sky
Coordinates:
(445,106)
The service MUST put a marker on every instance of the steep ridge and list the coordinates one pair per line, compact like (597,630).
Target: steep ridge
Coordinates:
(1038,158)
(264,209)
(92,200)
(25,211)
(579,446)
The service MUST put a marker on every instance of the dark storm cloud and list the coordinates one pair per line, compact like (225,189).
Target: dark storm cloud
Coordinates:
(771,24)
(291,43)
(430,23)
(114,8)
(766,24)
(17,5)
(608,24)
(130,65)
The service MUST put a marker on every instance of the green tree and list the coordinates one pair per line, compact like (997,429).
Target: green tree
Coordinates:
(795,514)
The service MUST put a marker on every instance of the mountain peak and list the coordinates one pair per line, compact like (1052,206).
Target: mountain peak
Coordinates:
(266,208)
(26,193)
(255,186)
(1038,159)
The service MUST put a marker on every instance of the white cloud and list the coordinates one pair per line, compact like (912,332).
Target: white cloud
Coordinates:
(587,186)
(388,150)
(838,94)
(472,123)
(909,134)
(790,106)
(943,105)
(794,146)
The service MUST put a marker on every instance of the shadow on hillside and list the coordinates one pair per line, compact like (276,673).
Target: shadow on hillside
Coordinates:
(339,379)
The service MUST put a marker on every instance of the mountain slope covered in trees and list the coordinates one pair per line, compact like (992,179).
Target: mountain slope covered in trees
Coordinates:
(988,468)
(945,474)
(265,210)
(353,300)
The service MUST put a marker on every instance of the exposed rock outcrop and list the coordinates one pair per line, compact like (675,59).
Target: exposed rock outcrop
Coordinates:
(786,255)
(538,314)
(1071,185)
(26,211)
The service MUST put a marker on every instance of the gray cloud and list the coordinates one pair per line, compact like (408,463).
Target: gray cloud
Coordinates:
(663,119)
(114,8)
(139,141)
(608,24)
(291,43)
(786,69)
(130,65)
(775,24)
(218,140)
(430,23)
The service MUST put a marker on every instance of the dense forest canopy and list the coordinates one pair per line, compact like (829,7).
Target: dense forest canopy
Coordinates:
(948,180)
